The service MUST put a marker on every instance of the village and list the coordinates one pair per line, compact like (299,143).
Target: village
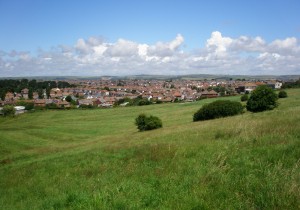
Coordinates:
(107,93)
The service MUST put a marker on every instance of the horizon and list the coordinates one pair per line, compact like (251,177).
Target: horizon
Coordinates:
(124,38)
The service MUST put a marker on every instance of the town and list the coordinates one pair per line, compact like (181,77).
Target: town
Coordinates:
(105,93)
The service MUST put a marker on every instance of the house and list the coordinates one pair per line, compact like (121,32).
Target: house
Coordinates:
(167,99)
(250,87)
(85,102)
(40,102)
(209,94)
(63,104)
(56,93)
(9,96)
(24,93)
(274,85)
(178,95)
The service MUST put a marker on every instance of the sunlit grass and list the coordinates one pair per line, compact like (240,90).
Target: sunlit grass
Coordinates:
(97,159)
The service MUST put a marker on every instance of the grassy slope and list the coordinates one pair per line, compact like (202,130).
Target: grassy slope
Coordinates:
(96,159)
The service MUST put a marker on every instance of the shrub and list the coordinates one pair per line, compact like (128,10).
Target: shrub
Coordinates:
(51,106)
(8,111)
(27,105)
(69,98)
(282,94)
(262,98)
(244,97)
(217,109)
(144,102)
(84,106)
(145,123)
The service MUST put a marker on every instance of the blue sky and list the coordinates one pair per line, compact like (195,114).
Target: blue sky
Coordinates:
(123,37)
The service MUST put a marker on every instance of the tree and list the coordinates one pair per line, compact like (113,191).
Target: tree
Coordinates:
(48,90)
(40,93)
(2,94)
(244,97)
(217,109)
(30,93)
(262,98)
(69,98)
(145,123)
(8,111)
(282,94)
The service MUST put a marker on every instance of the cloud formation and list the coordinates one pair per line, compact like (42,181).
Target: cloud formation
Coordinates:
(95,57)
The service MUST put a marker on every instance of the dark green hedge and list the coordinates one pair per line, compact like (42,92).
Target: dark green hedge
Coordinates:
(217,109)
(145,123)
(262,98)
(282,94)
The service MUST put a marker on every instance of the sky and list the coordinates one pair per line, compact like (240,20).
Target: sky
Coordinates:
(161,37)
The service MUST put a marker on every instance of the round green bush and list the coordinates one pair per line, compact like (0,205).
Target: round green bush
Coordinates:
(282,94)
(244,97)
(217,109)
(8,111)
(262,98)
(145,123)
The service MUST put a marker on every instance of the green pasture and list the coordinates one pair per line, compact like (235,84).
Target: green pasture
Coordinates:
(97,159)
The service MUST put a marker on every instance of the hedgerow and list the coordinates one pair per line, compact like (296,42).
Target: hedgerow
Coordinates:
(217,109)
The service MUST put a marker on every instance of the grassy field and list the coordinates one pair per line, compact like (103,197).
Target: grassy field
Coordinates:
(97,159)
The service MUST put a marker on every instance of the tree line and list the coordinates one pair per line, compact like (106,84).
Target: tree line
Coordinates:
(16,86)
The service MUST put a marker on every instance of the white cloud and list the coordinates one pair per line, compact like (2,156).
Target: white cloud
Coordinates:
(122,48)
(161,49)
(220,55)
(218,43)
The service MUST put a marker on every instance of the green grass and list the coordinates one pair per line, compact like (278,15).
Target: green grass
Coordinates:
(97,159)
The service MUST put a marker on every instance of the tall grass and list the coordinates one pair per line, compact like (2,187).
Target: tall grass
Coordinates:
(97,159)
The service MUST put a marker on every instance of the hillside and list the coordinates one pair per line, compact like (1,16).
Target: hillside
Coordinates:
(97,159)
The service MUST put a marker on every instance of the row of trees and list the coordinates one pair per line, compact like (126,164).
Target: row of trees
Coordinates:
(16,86)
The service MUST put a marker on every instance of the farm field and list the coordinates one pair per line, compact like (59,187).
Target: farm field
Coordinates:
(97,159)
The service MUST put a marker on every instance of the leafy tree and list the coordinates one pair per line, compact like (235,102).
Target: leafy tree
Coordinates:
(8,111)
(30,93)
(143,102)
(282,94)
(69,98)
(145,123)
(244,97)
(48,90)
(2,94)
(40,93)
(217,109)
(262,98)
(32,84)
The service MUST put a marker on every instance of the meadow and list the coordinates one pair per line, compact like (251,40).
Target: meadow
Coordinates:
(97,159)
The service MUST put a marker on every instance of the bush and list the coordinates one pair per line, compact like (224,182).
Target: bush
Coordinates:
(282,94)
(217,109)
(244,97)
(84,106)
(262,98)
(27,105)
(52,106)
(8,111)
(144,102)
(145,123)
